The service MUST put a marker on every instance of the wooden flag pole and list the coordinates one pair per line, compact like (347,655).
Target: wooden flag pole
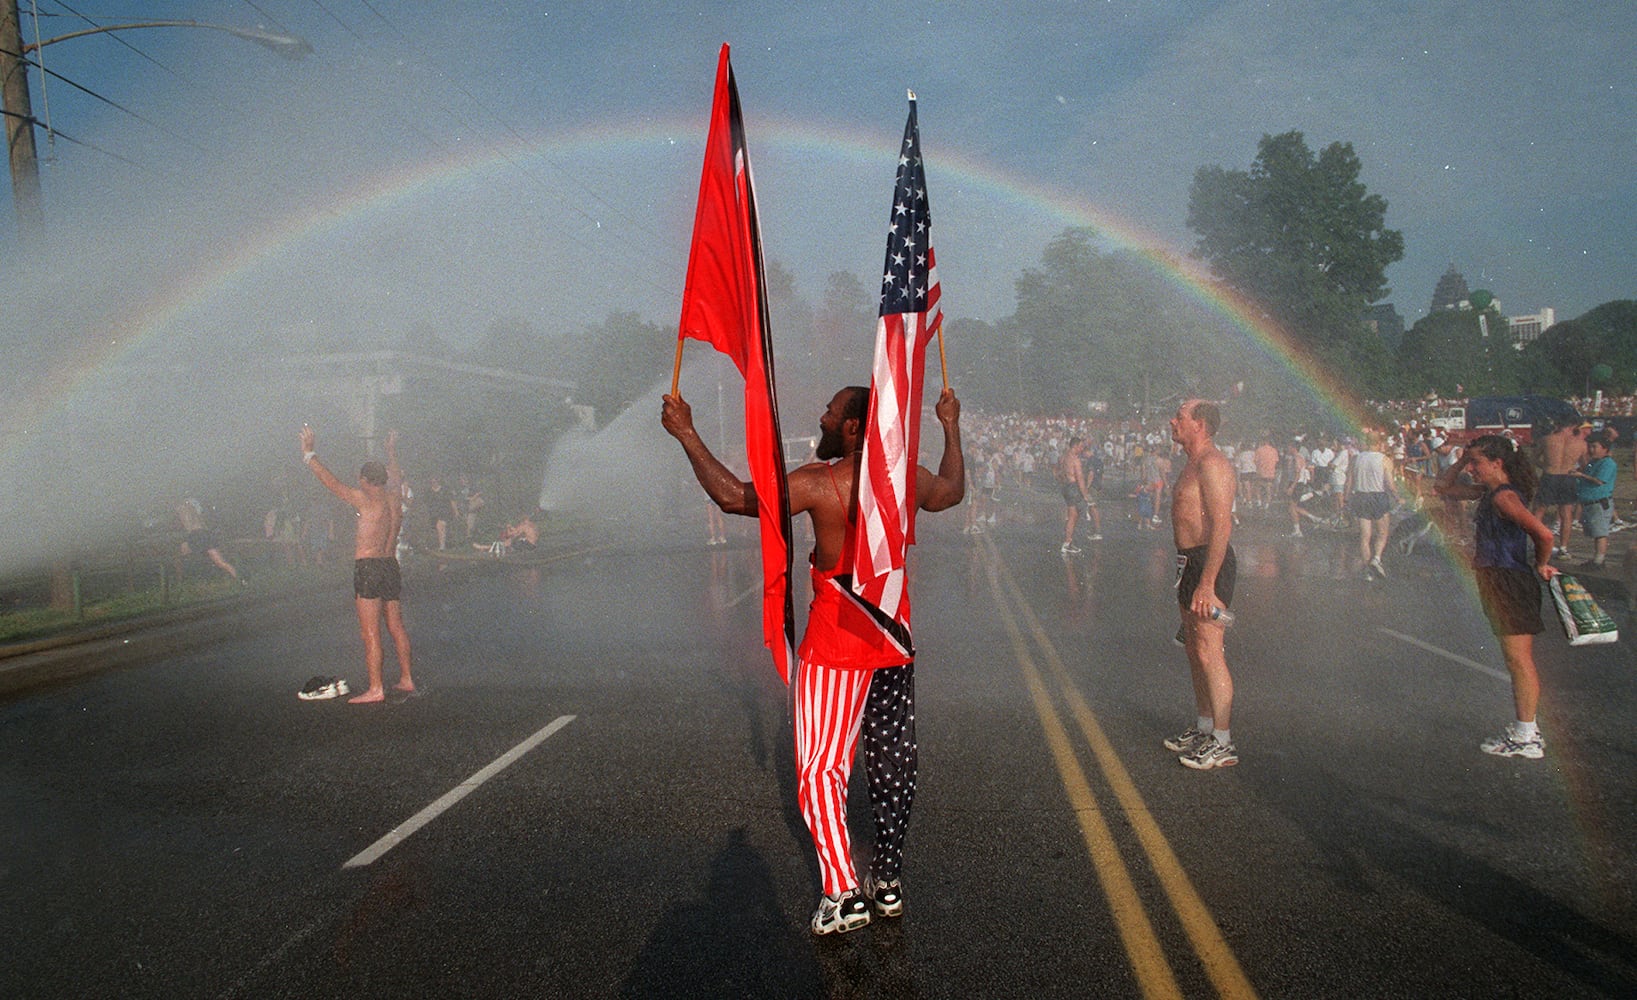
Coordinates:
(943,362)
(676,372)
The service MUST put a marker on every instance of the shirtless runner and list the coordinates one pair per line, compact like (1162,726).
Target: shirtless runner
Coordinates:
(376,581)
(1562,453)
(1201,521)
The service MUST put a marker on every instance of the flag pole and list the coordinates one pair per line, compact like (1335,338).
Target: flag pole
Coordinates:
(676,371)
(943,362)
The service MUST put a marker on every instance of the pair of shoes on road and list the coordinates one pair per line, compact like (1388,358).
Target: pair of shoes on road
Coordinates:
(1375,564)
(1095,537)
(1209,752)
(1511,743)
(841,913)
(851,910)
(323,688)
(1069,547)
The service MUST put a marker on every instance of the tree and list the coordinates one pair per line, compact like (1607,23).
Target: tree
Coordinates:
(1107,327)
(1449,349)
(1605,336)
(512,343)
(844,325)
(1300,235)
(613,363)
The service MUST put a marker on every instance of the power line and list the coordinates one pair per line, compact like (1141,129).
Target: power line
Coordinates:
(116,105)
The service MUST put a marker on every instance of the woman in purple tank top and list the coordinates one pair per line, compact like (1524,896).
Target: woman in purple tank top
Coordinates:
(1508,571)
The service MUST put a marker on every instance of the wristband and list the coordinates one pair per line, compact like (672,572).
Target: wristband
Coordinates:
(308,456)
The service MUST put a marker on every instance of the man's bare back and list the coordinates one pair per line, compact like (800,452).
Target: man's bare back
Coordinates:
(380,515)
(1563,451)
(191,521)
(824,491)
(378,519)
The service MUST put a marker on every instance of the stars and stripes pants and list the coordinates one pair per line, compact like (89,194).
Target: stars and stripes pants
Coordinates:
(832,708)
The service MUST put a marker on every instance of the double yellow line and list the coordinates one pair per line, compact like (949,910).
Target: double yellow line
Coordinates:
(1142,946)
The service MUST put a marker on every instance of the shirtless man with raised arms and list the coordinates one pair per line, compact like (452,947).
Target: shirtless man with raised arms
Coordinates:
(376,581)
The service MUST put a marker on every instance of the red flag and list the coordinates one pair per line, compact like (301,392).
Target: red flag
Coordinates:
(910,317)
(724,303)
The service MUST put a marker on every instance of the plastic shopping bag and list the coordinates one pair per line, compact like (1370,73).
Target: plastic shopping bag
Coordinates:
(1583,621)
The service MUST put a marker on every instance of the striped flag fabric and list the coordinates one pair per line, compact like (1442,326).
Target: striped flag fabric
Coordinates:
(910,318)
(724,303)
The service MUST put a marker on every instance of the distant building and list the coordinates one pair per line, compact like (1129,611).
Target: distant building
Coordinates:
(1451,292)
(1527,328)
(1383,318)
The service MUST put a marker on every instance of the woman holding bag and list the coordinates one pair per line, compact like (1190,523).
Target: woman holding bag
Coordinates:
(1508,573)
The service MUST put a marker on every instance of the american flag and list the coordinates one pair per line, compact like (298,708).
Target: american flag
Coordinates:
(910,317)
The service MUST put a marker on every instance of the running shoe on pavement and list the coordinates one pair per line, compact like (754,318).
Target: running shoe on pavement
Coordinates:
(840,914)
(1068,548)
(1185,741)
(887,896)
(1510,744)
(1208,753)
(1375,564)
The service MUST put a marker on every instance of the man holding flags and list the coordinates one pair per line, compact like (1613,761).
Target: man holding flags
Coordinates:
(842,650)
(856,661)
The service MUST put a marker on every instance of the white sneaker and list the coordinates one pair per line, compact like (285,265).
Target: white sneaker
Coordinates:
(840,914)
(886,895)
(1509,744)
(1375,564)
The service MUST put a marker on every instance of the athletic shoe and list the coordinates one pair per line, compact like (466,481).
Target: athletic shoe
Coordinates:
(1097,538)
(1185,741)
(1068,548)
(840,914)
(1592,564)
(1560,553)
(1296,533)
(1208,753)
(887,896)
(1375,564)
(1507,744)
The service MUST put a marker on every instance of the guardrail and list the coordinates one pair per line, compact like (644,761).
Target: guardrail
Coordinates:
(153,567)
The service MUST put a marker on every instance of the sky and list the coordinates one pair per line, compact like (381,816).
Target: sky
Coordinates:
(438,167)
(448,164)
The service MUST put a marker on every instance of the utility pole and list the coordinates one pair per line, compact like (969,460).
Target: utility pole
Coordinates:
(19,114)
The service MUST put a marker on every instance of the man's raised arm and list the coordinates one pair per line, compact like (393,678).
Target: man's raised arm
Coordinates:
(395,472)
(728,491)
(948,487)
(350,494)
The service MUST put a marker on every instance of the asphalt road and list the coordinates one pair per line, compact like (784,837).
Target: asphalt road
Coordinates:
(593,795)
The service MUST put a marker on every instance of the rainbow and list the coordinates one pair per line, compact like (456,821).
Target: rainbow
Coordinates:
(783,145)
(952,175)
